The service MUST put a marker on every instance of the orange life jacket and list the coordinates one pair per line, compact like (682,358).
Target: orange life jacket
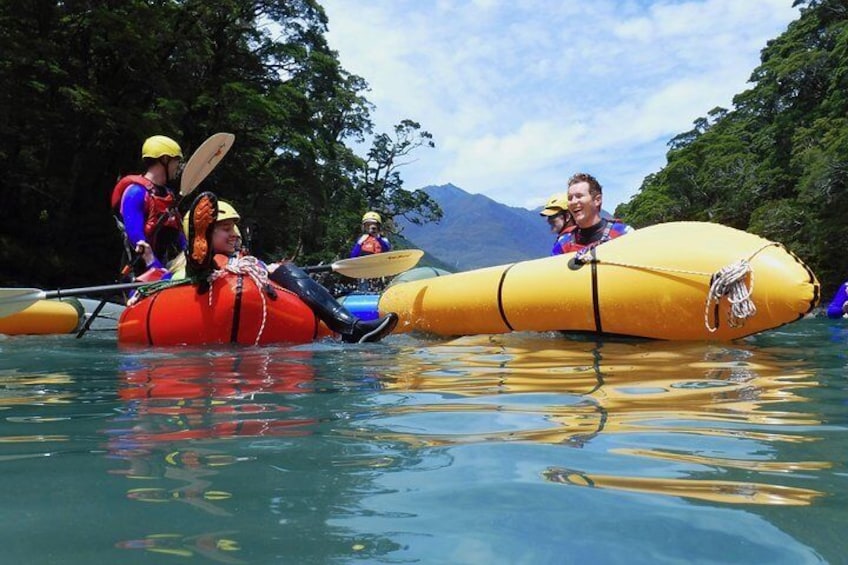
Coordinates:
(371,246)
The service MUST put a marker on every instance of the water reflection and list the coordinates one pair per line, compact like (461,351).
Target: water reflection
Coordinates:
(198,429)
(178,408)
(471,450)
(735,405)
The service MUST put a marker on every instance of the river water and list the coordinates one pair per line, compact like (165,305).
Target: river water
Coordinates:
(521,448)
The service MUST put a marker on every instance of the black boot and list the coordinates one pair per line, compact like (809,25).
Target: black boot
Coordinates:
(337,317)
(371,330)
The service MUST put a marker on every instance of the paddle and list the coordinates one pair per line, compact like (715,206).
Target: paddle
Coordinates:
(204,160)
(372,266)
(13,300)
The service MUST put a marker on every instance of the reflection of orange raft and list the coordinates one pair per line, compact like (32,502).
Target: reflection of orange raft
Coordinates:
(652,283)
(44,317)
(234,310)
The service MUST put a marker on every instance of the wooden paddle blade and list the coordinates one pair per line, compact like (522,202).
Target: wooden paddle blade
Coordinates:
(204,160)
(14,300)
(378,265)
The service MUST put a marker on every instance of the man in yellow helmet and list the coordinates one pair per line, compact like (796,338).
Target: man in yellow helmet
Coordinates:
(559,218)
(372,240)
(146,207)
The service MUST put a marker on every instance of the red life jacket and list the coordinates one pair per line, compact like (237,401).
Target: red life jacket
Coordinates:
(159,211)
(371,246)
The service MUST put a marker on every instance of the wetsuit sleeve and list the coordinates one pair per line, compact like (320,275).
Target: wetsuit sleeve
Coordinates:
(357,249)
(835,308)
(132,211)
(557,250)
(384,241)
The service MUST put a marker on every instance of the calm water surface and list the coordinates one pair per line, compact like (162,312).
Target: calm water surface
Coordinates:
(523,448)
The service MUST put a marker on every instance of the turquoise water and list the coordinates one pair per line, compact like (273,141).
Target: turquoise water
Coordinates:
(521,448)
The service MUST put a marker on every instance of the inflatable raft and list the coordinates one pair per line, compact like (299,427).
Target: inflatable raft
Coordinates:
(235,309)
(672,281)
(45,317)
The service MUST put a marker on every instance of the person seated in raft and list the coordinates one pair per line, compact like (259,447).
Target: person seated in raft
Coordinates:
(213,237)
(372,240)
(585,196)
(838,307)
(146,210)
(559,218)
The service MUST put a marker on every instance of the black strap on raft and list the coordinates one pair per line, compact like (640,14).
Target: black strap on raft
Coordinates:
(577,262)
(500,298)
(596,303)
(237,308)
(716,322)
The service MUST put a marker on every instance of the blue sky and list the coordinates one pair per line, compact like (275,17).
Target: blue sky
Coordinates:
(520,94)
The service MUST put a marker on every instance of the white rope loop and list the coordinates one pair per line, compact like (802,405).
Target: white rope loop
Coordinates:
(736,282)
(253,268)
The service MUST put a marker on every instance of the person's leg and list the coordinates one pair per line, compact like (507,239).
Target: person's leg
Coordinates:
(336,316)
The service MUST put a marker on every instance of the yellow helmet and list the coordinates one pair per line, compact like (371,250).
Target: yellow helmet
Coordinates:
(225,212)
(556,204)
(372,217)
(159,145)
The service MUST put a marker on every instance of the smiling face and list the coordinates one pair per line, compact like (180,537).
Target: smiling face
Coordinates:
(584,206)
(225,238)
(559,222)
(371,228)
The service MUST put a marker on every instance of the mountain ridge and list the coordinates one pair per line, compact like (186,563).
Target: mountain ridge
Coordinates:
(477,231)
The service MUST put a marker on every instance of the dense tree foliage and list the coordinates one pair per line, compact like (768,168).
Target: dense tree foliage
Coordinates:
(86,82)
(777,163)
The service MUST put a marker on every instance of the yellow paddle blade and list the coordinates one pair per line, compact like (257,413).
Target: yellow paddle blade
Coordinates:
(378,265)
(204,160)
(14,300)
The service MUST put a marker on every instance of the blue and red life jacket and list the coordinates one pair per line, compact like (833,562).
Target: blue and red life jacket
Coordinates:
(611,230)
(160,211)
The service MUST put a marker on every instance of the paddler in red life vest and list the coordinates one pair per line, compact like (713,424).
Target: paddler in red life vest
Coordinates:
(585,196)
(559,218)
(146,208)
(372,240)
(213,239)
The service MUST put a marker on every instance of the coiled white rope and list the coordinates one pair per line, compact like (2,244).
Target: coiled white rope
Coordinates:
(730,281)
(253,268)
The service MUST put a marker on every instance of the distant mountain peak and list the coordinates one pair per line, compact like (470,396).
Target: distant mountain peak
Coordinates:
(477,231)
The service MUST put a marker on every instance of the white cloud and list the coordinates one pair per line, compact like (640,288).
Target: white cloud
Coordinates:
(521,94)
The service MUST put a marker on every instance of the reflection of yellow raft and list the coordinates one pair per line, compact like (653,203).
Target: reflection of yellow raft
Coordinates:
(44,317)
(652,283)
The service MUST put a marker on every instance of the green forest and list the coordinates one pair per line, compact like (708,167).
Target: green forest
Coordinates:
(777,163)
(86,82)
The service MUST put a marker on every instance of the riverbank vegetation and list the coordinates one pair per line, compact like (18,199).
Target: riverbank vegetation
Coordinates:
(777,163)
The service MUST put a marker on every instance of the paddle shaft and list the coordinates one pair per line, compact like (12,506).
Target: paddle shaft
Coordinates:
(59,293)
(319,269)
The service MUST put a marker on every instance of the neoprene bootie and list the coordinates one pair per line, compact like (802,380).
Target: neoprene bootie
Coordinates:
(201,223)
(329,310)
